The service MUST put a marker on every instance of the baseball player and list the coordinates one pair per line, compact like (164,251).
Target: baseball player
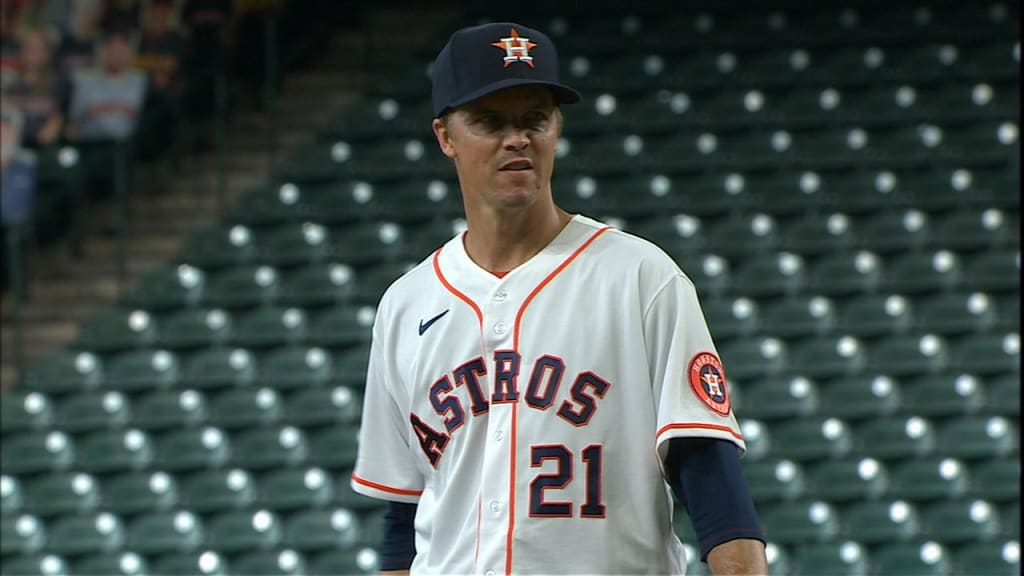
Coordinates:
(541,384)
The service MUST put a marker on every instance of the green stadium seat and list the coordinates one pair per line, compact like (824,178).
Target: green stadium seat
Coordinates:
(132,493)
(290,245)
(35,452)
(111,564)
(214,368)
(1008,317)
(814,234)
(927,558)
(262,448)
(373,526)
(1002,394)
(908,355)
(875,522)
(847,480)
(858,191)
(838,558)
(322,528)
(369,243)
(977,437)
(165,409)
(242,287)
(747,359)
(21,534)
(284,562)
(312,407)
(296,367)
(828,356)
(1010,517)
(209,491)
(801,522)
(894,231)
(997,558)
(774,480)
(927,479)
(89,411)
(270,327)
(425,238)
(810,439)
(116,330)
(351,365)
(161,532)
(799,316)
(11,495)
(742,235)
(25,410)
(64,371)
(294,488)
(944,394)
(109,451)
(345,497)
(140,370)
(955,522)
(420,200)
(202,563)
(333,447)
(215,248)
(680,235)
(333,562)
(62,494)
(995,270)
(731,317)
(167,289)
(235,531)
(845,273)
(341,326)
(270,204)
(756,435)
(978,229)
(956,313)
(318,285)
(710,273)
(779,398)
(996,480)
(85,533)
(894,437)
(373,281)
(915,273)
(875,315)
(245,407)
(987,353)
(34,564)
(860,396)
(189,329)
(180,450)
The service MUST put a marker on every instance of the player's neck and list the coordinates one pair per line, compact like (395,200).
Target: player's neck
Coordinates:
(499,242)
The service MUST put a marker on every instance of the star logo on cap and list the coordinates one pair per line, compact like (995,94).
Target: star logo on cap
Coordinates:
(517,49)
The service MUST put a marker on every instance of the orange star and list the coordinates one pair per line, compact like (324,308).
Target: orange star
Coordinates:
(516,49)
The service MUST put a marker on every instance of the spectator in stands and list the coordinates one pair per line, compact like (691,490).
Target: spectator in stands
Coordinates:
(106,101)
(160,55)
(121,15)
(37,90)
(17,168)
(78,42)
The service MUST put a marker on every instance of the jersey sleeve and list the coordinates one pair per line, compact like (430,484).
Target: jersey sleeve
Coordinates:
(691,387)
(385,467)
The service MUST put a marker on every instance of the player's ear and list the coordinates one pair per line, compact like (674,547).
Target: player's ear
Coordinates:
(444,138)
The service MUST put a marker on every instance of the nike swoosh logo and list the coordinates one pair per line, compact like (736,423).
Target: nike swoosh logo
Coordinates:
(425,325)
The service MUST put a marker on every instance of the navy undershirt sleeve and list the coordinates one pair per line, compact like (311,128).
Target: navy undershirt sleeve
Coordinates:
(399,544)
(706,477)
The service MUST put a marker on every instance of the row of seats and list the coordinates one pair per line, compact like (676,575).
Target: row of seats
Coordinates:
(138,493)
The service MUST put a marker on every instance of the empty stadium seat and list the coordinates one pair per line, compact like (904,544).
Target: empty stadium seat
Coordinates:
(138,370)
(64,371)
(36,451)
(978,229)
(243,286)
(419,200)
(331,562)
(731,317)
(333,447)
(212,368)
(710,273)
(977,437)
(810,439)
(927,479)
(62,494)
(283,562)
(892,438)
(847,480)
(111,564)
(116,330)
(316,529)
(294,488)
(26,410)
(341,326)
(189,329)
(369,243)
(236,531)
(313,407)
(801,522)
(11,498)
(350,366)
(874,522)
(995,270)
(318,284)
(275,446)
(959,521)
(753,358)
(780,398)
(774,480)
(161,532)
(88,411)
(131,493)
(922,272)
(210,250)
(245,407)
(828,356)
(85,533)
(944,394)
(845,273)
(185,449)
(927,558)
(956,313)
(799,316)
(109,451)
(166,409)
(214,490)
(987,353)
(908,354)
(205,562)
(21,534)
(894,231)
(170,288)
(270,204)
(861,396)
(290,245)
(815,234)
(296,367)
(1000,557)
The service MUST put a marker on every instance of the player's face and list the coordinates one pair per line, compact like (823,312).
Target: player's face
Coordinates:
(503,145)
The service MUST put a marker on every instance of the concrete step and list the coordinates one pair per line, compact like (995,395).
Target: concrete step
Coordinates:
(36,334)
(37,311)
(73,291)
(140,244)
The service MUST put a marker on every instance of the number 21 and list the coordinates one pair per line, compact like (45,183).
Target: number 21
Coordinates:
(539,507)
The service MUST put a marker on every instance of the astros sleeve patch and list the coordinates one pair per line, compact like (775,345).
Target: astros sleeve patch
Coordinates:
(707,379)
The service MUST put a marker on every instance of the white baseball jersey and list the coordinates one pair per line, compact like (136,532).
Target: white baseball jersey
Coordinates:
(528,415)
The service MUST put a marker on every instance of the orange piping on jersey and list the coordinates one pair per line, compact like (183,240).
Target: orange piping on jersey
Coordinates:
(515,406)
(387,489)
(700,427)
(453,290)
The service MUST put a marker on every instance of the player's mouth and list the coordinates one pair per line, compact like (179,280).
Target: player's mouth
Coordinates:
(518,165)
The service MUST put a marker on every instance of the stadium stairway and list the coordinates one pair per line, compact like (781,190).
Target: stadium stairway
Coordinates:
(66,288)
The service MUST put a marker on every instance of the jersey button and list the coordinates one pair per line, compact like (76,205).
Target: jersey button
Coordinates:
(498,435)
(500,295)
(500,328)
(489,573)
(495,506)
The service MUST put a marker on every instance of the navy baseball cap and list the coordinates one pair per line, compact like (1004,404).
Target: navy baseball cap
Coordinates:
(482,59)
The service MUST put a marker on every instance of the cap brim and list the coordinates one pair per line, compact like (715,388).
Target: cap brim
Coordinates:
(562,93)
